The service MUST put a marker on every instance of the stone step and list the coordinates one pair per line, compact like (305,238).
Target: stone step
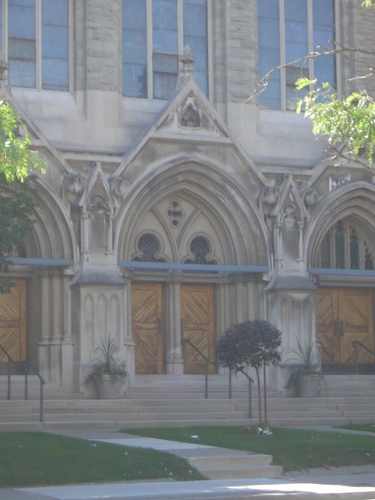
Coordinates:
(223,460)
(241,472)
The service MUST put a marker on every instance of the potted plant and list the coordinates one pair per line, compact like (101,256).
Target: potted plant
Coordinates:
(108,371)
(304,378)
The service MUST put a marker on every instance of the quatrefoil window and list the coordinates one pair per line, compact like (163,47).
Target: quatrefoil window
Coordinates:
(175,213)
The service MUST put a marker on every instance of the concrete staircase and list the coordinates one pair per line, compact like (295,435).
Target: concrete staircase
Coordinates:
(155,401)
(229,464)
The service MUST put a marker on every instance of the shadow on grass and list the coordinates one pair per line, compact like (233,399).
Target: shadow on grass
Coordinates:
(291,448)
(32,458)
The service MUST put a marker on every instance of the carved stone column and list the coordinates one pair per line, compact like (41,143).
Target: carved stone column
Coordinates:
(252,300)
(128,341)
(175,363)
(43,346)
(67,347)
(57,329)
(240,302)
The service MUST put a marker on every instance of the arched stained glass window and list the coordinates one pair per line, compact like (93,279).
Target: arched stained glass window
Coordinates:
(354,250)
(200,248)
(344,247)
(340,247)
(148,247)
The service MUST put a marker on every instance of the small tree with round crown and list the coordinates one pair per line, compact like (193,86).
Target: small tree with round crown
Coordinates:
(251,343)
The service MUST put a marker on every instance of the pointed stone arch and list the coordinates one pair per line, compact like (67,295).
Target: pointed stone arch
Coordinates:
(238,222)
(53,235)
(356,201)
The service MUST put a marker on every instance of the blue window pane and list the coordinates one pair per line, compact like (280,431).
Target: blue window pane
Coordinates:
(22,3)
(21,43)
(296,32)
(55,45)
(55,42)
(55,74)
(296,10)
(199,50)
(270,98)
(134,48)
(134,80)
(268,9)
(21,21)
(268,33)
(55,12)
(268,59)
(164,23)
(22,74)
(202,78)
(323,12)
(325,69)
(134,15)
(321,37)
(165,42)
(294,51)
(195,20)
(164,14)
(196,2)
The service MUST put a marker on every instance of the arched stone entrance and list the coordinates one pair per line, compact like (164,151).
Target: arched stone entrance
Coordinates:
(342,255)
(190,216)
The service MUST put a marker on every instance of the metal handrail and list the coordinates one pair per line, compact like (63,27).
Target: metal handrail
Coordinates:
(358,343)
(207,361)
(28,365)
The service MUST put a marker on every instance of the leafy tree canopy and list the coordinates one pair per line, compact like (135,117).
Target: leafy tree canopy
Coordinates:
(351,120)
(16,159)
(251,343)
(344,120)
(16,200)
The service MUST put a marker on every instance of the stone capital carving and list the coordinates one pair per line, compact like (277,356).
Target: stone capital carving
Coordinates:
(72,270)
(119,185)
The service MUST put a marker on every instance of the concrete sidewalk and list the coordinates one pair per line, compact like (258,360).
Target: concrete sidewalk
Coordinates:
(339,483)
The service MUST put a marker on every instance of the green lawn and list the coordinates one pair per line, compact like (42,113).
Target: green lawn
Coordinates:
(32,458)
(291,448)
(358,427)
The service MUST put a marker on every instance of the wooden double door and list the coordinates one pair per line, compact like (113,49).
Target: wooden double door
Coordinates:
(345,315)
(149,328)
(13,322)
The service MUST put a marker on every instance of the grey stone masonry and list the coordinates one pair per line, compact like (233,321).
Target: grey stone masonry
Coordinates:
(241,49)
(103,45)
(234,34)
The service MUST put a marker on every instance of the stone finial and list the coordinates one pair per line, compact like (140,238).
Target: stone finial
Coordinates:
(187,60)
(187,69)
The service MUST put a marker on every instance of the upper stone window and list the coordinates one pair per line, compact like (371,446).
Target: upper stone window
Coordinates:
(287,31)
(34,40)
(154,33)
(346,247)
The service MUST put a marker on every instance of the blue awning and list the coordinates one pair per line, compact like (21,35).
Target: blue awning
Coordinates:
(341,272)
(40,262)
(214,268)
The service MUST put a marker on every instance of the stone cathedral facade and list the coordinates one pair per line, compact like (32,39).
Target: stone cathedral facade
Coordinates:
(172,206)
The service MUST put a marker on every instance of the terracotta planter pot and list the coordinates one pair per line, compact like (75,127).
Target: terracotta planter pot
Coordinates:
(109,388)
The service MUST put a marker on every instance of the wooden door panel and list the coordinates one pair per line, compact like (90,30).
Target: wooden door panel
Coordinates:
(344,315)
(13,322)
(146,328)
(197,326)
(326,311)
(356,323)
